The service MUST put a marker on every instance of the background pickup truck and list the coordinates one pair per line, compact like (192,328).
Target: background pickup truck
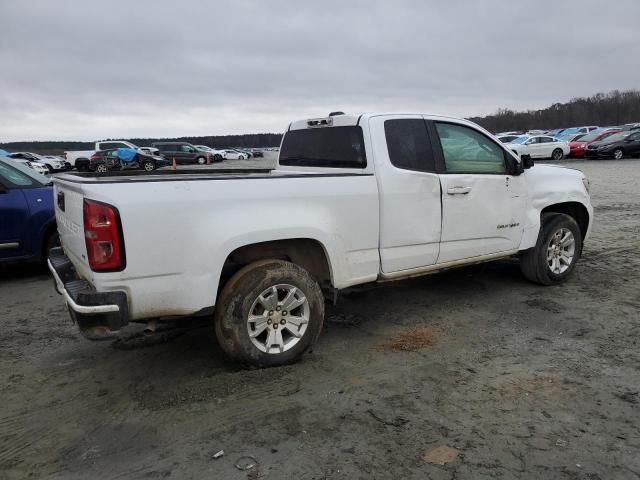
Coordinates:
(80,158)
(353,199)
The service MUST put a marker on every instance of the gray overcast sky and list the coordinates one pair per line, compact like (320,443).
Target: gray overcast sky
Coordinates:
(92,69)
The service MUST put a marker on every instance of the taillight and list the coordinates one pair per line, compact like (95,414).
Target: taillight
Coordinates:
(103,237)
(95,157)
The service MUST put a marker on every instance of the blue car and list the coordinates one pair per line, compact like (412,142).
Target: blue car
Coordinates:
(27,218)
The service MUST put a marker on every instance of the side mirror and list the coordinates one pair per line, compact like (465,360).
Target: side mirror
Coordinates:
(527,161)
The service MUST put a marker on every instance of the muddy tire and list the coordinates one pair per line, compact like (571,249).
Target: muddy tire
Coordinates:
(269,313)
(556,253)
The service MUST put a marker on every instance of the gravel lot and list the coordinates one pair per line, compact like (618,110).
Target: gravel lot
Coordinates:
(522,381)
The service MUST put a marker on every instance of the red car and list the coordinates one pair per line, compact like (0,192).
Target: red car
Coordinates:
(577,148)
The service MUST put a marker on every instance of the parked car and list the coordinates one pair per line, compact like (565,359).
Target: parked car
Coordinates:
(38,167)
(514,132)
(617,146)
(424,193)
(579,129)
(556,132)
(257,153)
(508,138)
(235,155)
(217,155)
(570,137)
(27,226)
(540,146)
(579,145)
(107,160)
(149,150)
(53,164)
(183,152)
(79,159)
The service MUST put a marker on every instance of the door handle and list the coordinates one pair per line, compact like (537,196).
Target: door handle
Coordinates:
(458,190)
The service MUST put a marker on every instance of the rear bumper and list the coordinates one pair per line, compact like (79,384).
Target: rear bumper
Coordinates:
(98,314)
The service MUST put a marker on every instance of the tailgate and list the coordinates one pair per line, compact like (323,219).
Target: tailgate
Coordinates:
(69,217)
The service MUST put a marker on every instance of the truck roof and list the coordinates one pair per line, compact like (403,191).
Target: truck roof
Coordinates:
(344,120)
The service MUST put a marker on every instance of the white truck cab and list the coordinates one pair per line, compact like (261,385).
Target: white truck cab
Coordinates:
(353,199)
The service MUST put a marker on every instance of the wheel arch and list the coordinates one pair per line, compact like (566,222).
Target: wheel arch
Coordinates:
(576,210)
(307,253)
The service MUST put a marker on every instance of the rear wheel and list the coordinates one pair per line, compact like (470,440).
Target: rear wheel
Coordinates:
(102,168)
(269,313)
(217,157)
(557,154)
(618,153)
(556,253)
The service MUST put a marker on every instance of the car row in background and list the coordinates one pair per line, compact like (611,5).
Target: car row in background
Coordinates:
(589,141)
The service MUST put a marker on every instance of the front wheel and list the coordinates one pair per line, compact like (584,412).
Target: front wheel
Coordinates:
(217,157)
(557,154)
(149,166)
(556,253)
(618,154)
(269,313)
(201,160)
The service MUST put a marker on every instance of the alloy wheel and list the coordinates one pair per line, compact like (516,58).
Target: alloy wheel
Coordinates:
(561,251)
(278,318)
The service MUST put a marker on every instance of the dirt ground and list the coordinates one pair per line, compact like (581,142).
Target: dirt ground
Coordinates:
(517,380)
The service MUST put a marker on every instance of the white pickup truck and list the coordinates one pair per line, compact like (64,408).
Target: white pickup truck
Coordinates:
(353,199)
(80,158)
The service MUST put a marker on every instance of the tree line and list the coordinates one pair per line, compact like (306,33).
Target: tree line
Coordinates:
(602,109)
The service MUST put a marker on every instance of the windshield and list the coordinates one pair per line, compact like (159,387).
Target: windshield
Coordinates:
(590,137)
(15,173)
(520,140)
(334,147)
(618,136)
(572,137)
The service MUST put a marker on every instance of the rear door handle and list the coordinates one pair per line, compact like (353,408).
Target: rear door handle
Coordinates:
(458,190)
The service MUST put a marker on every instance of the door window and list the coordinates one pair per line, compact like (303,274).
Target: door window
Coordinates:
(409,145)
(466,150)
(546,140)
(186,149)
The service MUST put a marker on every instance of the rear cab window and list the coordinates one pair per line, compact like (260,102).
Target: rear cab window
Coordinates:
(324,147)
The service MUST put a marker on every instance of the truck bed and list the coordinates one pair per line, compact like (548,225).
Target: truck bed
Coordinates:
(168,175)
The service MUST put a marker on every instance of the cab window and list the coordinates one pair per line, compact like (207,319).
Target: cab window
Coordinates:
(466,150)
